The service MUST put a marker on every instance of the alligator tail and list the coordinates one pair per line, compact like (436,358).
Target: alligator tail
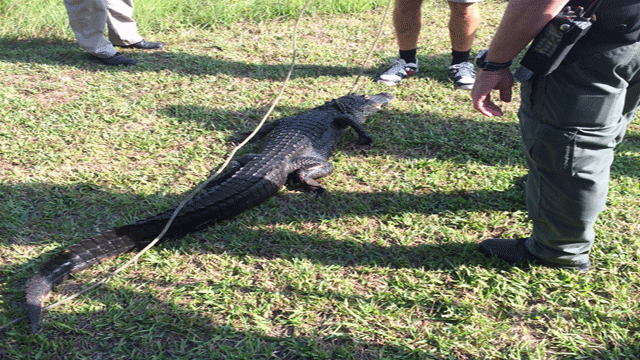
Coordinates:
(82,256)
(221,201)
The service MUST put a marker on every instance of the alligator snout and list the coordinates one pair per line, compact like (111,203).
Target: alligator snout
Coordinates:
(380,100)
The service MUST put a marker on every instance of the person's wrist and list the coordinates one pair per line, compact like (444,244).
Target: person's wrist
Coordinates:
(481,61)
(492,66)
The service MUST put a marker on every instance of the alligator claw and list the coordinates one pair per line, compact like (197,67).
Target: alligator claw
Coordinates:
(364,139)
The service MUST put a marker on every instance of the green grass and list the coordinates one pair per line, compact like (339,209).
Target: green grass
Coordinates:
(49,16)
(385,266)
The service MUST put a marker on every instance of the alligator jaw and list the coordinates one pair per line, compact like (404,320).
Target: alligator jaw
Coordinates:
(376,102)
(381,99)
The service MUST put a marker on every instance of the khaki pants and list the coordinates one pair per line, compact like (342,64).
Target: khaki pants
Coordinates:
(88,18)
(571,121)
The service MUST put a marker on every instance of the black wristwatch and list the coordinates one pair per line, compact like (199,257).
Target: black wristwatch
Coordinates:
(488,65)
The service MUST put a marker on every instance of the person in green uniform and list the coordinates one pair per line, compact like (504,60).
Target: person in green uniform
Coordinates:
(571,120)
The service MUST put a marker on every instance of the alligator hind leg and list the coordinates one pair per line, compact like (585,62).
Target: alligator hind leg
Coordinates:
(307,170)
(348,120)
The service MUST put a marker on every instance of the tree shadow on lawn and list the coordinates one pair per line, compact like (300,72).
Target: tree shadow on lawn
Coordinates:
(34,216)
(253,233)
(151,317)
(63,52)
(133,319)
(57,51)
(84,211)
(138,321)
(42,213)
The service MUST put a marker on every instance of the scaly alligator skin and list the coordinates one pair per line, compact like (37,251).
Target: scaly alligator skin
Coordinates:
(297,151)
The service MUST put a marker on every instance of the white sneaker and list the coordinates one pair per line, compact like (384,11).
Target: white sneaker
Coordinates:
(399,70)
(463,75)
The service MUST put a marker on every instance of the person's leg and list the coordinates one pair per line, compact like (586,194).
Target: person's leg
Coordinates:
(571,120)
(464,19)
(407,21)
(122,28)
(87,19)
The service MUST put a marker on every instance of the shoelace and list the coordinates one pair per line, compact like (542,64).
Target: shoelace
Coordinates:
(397,65)
(465,69)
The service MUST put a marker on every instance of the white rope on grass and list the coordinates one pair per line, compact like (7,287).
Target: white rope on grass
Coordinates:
(224,165)
(194,192)
(373,46)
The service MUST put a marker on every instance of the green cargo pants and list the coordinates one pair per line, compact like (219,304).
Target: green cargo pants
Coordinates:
(571,120)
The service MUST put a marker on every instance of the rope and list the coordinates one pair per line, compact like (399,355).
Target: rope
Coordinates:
(194,192)
(373,46)
(219,171)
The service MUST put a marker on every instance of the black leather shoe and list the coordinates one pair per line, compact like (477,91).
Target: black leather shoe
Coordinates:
(514,251)
(145,45)
(115,60)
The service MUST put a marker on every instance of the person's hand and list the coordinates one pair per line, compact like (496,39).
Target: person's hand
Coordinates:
(486,81)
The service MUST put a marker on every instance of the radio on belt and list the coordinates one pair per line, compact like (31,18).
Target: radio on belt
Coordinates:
(551,45)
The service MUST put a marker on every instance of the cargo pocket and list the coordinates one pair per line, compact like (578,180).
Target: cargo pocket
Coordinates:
(553,149)
(585,93)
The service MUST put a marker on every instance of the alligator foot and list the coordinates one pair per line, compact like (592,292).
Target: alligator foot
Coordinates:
(348,120)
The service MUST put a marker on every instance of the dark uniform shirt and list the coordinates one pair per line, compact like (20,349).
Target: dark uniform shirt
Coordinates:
(617,21)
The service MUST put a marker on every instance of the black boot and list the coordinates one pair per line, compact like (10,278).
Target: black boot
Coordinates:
(115,60)
(514,251)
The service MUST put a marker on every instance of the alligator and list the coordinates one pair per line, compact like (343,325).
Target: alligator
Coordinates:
(295,153)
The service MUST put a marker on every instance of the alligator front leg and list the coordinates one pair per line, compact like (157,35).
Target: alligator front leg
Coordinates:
(307,169)
(348,120)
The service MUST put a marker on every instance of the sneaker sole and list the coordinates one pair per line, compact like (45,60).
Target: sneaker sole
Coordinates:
(464,87)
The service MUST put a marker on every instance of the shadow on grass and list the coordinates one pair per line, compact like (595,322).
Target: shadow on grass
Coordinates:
(36,214)
(137,321)
(37,211)
(411,135)
(63,52)
(56,51)
(150,317)
(133,319)
(139,324)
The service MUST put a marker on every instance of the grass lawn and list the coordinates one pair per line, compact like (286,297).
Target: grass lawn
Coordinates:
(385,266)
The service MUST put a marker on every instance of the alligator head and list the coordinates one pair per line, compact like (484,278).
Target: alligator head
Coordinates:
(361,106)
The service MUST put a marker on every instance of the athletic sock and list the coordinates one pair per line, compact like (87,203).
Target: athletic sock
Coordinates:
(409,56)
(460,56)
